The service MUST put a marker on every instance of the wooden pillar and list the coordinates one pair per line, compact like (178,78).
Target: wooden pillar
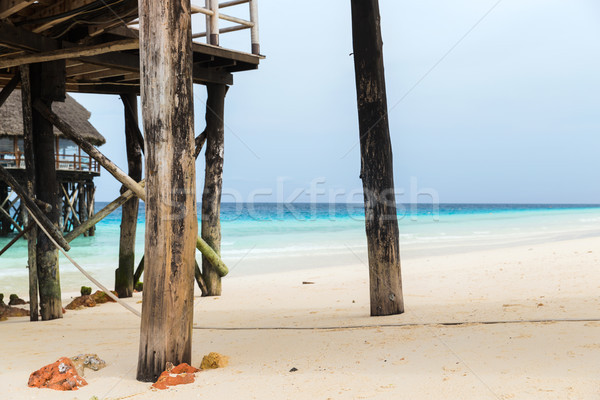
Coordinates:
(124,274)
(376,161)
(213,182)
(47,85)
(171,224)
(30,187)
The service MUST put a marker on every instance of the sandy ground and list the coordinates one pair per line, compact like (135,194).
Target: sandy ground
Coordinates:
(350,356)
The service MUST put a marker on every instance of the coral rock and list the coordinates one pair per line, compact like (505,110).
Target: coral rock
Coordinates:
(16,301)
(179,375)
(100,297)
(91,361)
(214,360)
(81,302)
(60,375)
(7,311)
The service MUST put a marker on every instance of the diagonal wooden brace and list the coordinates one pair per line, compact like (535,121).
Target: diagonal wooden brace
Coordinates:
(137,189)
(34,209)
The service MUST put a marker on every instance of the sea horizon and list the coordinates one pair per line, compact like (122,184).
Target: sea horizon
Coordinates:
(260,238)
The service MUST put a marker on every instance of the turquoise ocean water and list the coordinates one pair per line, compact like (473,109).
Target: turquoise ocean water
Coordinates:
(263,238)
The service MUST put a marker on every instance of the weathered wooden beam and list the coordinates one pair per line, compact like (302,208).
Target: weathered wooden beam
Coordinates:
(213,184)
(200,140)
(71,52)
(381,221)
(10,7)
(30,204)
(30,186)
(171,221)
(9,88)
(124,283)
(16,238)
(10,219)
(100,215)
(212,256)
(22,39)
(68,131)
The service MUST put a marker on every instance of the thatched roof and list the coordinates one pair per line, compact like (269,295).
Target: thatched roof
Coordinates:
(76,115)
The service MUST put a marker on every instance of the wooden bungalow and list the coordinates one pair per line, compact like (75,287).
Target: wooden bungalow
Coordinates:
(75,169)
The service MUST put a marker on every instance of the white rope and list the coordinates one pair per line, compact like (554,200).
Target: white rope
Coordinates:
(84,272)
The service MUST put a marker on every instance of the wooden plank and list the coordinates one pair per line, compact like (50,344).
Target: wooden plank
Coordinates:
(225,53)
(83,69)
(171,221)
(72,52)
(105,74)
(8,89)
(22,39)
(10,7)
(381,221)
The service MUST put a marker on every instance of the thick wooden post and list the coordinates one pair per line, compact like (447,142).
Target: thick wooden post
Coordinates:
(129,212)
(213,182)
(171,224)
(30,187)
(376,161)
(47,85)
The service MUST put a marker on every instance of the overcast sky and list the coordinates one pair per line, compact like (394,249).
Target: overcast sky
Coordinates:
(509,113)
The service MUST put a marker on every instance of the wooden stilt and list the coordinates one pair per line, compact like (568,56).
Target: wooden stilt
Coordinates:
(129,212)
(171,224)
(30,187)
(46,87)
(376,161)
(213,183)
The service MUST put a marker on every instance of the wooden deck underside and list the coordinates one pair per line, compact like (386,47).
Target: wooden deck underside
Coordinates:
(85,33)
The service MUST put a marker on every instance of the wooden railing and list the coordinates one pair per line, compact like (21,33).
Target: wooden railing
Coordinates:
(212,10)
(64,162)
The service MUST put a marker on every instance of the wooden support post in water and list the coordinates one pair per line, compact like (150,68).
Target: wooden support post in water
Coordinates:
(30,187)
(47,85)
(171,224)
(129,212)
(213,182)
(376,161)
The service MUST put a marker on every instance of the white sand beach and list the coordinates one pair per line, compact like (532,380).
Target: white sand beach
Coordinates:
(266,323)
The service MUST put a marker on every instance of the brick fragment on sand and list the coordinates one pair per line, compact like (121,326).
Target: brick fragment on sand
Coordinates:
(60,375)
(179,375)
(214,360)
